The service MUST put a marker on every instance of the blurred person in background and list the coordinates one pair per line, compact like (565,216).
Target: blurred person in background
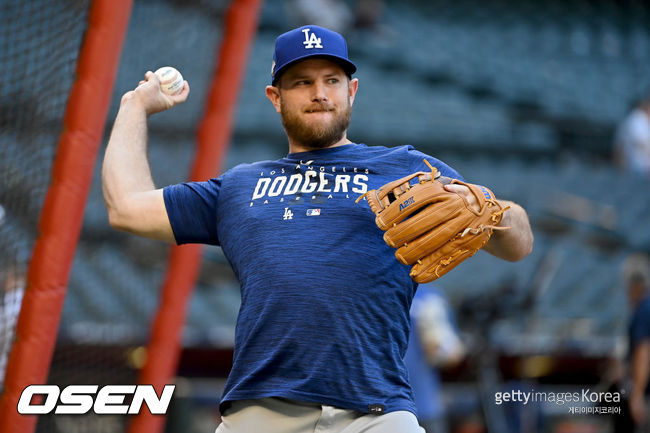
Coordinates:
(333,14)
(336,15)
(636,274)
(632,141)
(12,286)
(368,14)
(434,343)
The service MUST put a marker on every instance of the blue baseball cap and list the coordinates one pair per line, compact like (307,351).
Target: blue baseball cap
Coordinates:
(309,41)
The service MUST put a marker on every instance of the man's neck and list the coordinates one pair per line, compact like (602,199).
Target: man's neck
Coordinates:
(295,147)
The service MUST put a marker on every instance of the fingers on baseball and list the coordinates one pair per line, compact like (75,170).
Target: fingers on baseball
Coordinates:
(149,76)
(153,78)
(182,96)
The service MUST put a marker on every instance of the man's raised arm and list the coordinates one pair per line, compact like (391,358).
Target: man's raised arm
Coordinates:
(133,202)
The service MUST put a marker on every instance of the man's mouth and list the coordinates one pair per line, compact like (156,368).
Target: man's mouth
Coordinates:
(319,110)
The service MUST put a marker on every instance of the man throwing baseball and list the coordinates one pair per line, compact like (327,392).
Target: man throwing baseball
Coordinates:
(324,318)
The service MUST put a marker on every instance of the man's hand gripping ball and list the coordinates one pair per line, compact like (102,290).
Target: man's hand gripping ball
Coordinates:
(153,94)
(433,229)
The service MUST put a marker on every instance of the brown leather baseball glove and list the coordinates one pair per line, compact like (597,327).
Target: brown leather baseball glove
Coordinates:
(433,229)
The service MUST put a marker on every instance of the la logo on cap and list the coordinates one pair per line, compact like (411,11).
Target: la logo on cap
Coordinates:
(311,41)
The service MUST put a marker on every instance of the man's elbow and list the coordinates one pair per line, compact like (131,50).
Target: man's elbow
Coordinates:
(117,220)
(120,217)
(140,215)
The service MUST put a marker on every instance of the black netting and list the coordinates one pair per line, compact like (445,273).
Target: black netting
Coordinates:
(113,290)
(39,45)
(116,278)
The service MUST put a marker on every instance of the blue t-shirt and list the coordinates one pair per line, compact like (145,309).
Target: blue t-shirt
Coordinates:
(639,329)
(324,314)
(640,323)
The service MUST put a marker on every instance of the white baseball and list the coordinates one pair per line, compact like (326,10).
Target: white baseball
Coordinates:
(171,80)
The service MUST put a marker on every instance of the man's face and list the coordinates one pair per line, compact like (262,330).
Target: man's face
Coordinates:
(315,99)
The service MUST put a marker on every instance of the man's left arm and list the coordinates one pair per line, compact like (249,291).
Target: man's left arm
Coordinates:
(515,243)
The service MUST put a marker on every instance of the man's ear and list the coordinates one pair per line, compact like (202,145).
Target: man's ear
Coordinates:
(273,93)
(353,86)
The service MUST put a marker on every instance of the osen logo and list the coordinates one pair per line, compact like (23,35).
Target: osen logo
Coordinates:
(80,399)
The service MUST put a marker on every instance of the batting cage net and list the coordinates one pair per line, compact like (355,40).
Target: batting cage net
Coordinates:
(39,44)
(102,338)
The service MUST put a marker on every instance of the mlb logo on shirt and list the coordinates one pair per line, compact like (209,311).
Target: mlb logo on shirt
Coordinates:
(313,212)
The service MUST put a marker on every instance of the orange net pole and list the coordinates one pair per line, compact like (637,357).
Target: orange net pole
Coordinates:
(62,214)
(214,134)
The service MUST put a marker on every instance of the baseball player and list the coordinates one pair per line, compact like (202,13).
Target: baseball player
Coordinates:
(638,292)
(324,318)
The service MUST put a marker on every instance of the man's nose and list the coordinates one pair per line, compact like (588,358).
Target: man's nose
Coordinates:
(319,94)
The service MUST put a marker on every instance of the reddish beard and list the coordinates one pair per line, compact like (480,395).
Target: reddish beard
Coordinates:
(316,136)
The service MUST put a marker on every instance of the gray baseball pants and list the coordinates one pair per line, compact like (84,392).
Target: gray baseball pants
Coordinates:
(275,415)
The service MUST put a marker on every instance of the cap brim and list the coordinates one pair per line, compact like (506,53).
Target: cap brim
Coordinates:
(349,67)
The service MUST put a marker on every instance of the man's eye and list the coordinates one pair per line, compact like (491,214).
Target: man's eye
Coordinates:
(302,83)
(333,80)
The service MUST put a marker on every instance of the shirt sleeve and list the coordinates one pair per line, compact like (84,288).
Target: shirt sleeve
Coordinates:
(416,163)
(192,211)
